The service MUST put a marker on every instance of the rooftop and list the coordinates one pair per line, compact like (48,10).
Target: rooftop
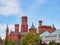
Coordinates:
(46,33)
(33,27)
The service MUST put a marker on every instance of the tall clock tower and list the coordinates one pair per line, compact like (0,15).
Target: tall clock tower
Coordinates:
(24,25)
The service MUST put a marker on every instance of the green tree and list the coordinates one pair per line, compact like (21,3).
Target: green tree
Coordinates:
(6,42)
(52,43)
(31,39)
(1,41)
(58,43)
(10,42)
(44,44)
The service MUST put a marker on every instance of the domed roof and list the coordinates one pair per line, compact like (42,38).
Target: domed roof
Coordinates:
(32,27)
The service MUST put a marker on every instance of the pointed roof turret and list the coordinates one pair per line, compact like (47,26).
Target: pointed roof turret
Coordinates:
(7,32)
(33,27)
(7,28)
(53,26)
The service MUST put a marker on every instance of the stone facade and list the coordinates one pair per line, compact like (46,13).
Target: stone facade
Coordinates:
(24,25)
(51,38)
(16,35)
(43,28)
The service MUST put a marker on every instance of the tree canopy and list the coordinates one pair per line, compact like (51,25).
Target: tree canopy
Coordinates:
(31,39)
(1,41)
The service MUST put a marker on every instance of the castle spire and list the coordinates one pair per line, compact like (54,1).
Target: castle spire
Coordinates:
(53,26)
(7,27)
(32,26)
(32,29)
(7,31)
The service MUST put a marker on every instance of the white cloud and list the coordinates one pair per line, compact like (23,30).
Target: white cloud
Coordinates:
(2,26)
(3,29)
(10,7)
(11,27)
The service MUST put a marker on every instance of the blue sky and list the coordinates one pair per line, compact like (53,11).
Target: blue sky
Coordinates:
(11,12)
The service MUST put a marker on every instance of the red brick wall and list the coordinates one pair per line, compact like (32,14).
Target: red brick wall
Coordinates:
(24,26)
(50,30)
(44,28)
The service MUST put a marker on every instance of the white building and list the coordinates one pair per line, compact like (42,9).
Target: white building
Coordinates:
(48,37)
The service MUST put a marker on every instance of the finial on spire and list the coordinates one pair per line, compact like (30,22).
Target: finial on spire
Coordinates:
(7,28)
(53,26)
(7,25)
(7,32)
(32,26)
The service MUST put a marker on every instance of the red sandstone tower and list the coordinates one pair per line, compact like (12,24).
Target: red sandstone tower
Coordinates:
(7,32)
(24,25)
(40,25)
(16,31)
